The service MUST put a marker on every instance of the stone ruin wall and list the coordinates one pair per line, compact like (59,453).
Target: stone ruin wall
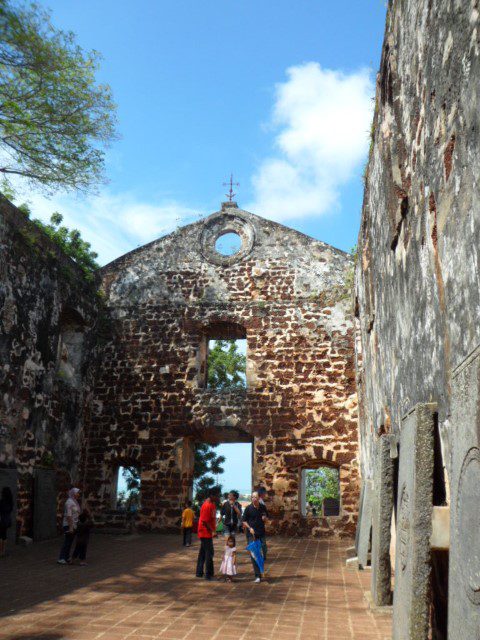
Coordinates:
(45,313)
(417,278)
(150,405)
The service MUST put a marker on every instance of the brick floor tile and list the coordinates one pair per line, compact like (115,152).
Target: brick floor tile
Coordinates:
(143,588)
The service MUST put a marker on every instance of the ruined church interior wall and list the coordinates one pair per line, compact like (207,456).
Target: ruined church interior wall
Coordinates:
(47,312)
(289,296)
(417,277)
(417,280)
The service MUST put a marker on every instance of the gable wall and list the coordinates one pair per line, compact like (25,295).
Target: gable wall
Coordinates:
(300,404)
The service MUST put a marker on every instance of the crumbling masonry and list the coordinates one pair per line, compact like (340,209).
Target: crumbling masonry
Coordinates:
(417,301)
(286,294)
(93,382)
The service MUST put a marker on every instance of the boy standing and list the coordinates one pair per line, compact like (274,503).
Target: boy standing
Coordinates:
(187,524)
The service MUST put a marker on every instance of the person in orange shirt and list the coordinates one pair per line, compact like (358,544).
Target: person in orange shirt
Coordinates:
(207,525)
(187,524)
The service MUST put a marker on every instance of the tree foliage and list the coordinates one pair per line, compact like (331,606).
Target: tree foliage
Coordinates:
(130,499)
(54,116)
(207,464)
(70,241)
(320,484)
(226,366)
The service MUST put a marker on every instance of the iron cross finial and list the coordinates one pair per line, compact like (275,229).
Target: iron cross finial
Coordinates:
(230,195)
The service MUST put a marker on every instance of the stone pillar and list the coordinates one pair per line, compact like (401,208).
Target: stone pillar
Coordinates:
(464,561)
(381,524)
(411,601)
(365,524)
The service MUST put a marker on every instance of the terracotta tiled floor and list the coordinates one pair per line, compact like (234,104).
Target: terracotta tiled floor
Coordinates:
(143,587)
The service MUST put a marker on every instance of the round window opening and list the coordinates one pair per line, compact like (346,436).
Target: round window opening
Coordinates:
(228,244)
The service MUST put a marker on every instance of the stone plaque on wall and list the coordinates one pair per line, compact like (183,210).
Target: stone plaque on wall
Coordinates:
(44,505)
(365,524)
(414,525)
(381,523)
(464,564)
(9,478)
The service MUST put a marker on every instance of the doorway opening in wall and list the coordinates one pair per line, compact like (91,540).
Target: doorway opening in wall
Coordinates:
(128,494)
(320,491)
(224,467)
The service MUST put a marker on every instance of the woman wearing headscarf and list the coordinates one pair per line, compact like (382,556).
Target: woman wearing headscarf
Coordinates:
(71,513)
(6,508)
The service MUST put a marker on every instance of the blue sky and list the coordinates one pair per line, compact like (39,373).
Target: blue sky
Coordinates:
(276,91)
(279,92)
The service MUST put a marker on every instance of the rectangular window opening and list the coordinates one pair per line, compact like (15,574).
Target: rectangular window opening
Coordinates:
(320,492)
(128,492)
(226,364)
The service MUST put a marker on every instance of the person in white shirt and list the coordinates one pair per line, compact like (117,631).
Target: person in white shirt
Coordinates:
(71,514)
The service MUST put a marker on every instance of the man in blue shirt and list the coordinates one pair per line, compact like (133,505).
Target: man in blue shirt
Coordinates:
(254,518)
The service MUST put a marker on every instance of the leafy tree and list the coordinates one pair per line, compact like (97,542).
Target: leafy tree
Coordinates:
(320,484)
(53,115)
(207,464)
(226,366)
(70,241)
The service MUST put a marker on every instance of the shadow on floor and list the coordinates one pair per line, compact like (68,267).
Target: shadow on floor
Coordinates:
(149,565)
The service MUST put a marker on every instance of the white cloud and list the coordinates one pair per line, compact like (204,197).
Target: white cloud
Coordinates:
(321,120)
(114,223)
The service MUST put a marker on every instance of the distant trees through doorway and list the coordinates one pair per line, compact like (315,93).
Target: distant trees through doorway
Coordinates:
(207,467)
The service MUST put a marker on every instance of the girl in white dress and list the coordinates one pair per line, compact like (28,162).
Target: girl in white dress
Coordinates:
(229,563)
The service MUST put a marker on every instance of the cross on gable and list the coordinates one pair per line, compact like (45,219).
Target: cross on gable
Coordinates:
(230,195)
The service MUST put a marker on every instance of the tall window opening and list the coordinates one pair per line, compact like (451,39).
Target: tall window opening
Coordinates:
(226,360)
(226,364)
(70,348)
(128,489)
(320,491)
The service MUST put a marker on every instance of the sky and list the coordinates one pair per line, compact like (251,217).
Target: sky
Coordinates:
(277,92)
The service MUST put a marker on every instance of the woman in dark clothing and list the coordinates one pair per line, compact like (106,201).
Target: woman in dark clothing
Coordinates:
(6,508)
(84,527)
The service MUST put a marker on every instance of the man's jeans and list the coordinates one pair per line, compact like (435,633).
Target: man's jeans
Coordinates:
(263,540)
(187,536)
(205,558)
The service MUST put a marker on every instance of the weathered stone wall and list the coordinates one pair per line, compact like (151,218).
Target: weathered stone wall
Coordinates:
(417,277)
(287,293)
(47,311)
(417,281)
